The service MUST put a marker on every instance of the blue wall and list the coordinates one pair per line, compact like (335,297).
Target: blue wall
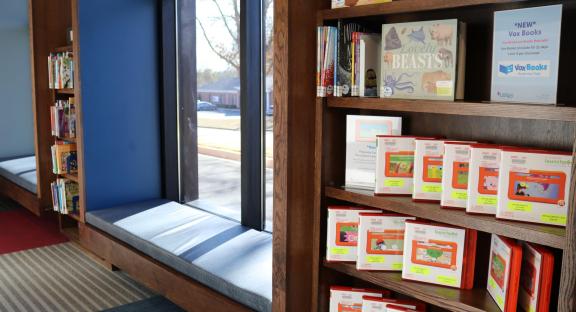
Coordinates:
(119,64)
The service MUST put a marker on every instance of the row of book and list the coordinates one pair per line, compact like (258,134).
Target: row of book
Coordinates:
(344,298)
(63,118)
(519,273)
(60,71)
(64,158)
(509,182)
(65,196)
(426,59)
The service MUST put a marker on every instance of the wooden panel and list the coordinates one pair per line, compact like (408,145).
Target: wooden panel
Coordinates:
(568,278)
(23,197)
(188,294)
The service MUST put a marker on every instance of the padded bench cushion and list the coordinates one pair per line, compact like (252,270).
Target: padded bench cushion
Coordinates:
(219,253)
(21,171)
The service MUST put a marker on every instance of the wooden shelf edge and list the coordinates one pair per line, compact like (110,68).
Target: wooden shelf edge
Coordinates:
(448,298)
(550,236)
(64,91)
(67,48)
(486,109)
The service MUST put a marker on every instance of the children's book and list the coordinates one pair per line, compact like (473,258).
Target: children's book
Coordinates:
(534,185)
(325,55)
(536,278)
(350,3)
(348,299)
(343,70)
(439,254)
(369,63)
(504,272)
(483,180)
(525,55)
(376,304)
(342,235)
(381,241)
(361,132)
(428,167)
(423,60)
(455,174)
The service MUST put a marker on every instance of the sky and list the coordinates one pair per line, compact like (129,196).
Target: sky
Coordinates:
(206,59)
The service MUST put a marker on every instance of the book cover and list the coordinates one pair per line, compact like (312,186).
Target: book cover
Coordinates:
(423,60)
(455,174)
(348,299)
(536,278)
(369,65)
(504,272)
(525,55)
(71,194)
(361,132)
(395,165)
(351,3)
(483,180)
(376,304)
(342,233)
(428,166)
(343,85)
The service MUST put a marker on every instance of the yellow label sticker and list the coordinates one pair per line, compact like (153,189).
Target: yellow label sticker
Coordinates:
(531,309)
(394,183)
(500,301)
(431,188)
(420,270)
(487,200)
(519,206)
(444,88)
(375,259)
(397,266)
(447,280)
(339,251)
(491,282)
(459,195)
(553,218)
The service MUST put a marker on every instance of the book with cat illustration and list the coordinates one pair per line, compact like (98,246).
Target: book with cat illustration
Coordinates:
(423,60)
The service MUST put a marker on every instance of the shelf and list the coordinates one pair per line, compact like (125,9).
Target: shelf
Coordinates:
(64,91)
(541,234)
(70,176)
(71,233)
(73,140)
(64,49)
(448,298)
(518,111)
(404,6)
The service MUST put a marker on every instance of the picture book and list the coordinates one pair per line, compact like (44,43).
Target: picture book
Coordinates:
(536,278)
(60,70)
(350,3)
(428,167)
(369,65)
(64,158)
(348,299)
(343,70)
(483,180)
(342,233)
(65,196)
(377,304)
(504,272)
(525,55)
(439,254)
(534,185)
(455,174)
(361,132)
(325,56)
(423,60)
(380,241)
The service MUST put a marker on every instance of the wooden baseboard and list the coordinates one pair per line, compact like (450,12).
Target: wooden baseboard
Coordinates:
(188,294)
(20,195)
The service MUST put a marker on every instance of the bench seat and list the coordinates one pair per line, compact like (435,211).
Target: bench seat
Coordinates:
(20,171)
(231,259)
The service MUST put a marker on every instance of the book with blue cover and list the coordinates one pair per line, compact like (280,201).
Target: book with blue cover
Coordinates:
(525,56)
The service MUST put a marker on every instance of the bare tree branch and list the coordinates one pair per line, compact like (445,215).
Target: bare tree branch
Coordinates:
(220,54)
(225,21)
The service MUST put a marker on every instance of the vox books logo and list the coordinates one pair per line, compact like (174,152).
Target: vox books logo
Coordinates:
(506,69)
(525,69)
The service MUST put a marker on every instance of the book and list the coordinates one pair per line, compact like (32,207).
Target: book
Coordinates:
(64,158)
(483,179)
(342,233)
(348,299)
(350,3)
(534,185)
(65,196)
(525,55)
(536,278)
(343,70)
(423,60)
(369,65)
(504,272)
(377,304)
(455,174)
(325,66)
(428,166)
(380,241)
(439,254)
(63,118)
(361,132)
(60,70)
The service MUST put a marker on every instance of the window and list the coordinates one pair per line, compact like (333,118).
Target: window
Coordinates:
(224,90)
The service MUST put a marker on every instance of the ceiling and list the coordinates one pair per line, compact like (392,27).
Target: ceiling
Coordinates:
(13,14)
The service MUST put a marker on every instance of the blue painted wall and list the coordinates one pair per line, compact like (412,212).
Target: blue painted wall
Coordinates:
(119,64)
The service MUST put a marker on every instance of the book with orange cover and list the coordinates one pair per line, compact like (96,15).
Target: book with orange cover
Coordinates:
(349,299)
(455,174)
(504,272)
(483,179)
(428,161)
(376,304)
(439,254)
(342,235)
(536,278)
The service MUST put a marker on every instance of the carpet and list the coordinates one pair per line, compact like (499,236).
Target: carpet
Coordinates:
(62,278)
(153,304)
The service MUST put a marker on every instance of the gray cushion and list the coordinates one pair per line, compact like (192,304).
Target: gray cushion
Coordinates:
(21,171)
(219,253)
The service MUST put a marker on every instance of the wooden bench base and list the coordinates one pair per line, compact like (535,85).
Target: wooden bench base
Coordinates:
(20,195)
(180,289)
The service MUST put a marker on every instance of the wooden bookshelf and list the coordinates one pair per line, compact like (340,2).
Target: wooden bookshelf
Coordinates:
(68,48)
(70,176)
(64,91)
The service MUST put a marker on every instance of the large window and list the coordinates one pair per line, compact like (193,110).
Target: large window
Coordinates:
(225,100)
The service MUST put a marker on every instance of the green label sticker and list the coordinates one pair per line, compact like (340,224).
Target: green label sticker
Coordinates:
(491,282)
(459,195)
(531,309)
(375,259)
(431,188)
(397,266)
(519,206)
(487,200)
(420,270)
(500,301)
(394,183)
(553,218)
(339,251)
(447,280)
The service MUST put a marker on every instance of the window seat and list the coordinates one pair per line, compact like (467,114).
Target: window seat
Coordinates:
(20,171)
(223,255)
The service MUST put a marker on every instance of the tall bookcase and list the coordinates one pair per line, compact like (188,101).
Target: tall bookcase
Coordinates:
(475,118)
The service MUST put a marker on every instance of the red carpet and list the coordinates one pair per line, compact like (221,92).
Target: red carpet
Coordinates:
(21,230)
